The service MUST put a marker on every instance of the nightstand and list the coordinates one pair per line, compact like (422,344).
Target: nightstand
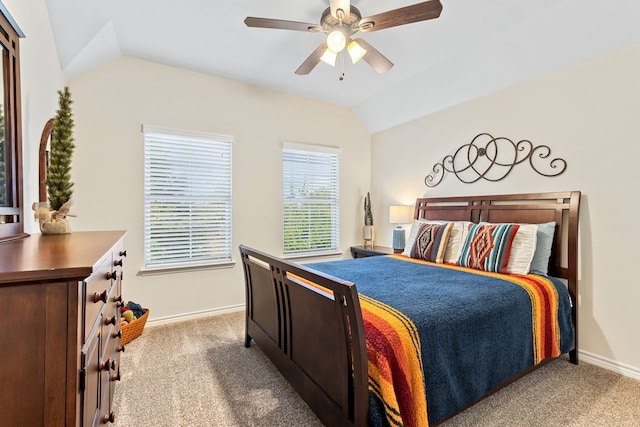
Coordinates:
(360,252)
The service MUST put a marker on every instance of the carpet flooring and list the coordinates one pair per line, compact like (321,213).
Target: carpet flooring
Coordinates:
(198,373)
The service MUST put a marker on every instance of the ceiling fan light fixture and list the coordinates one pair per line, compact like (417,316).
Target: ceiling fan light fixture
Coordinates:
(329,57)
(340,21)
(356,52)
(336,40)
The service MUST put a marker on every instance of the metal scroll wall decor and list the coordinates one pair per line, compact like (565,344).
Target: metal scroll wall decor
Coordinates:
(490,158)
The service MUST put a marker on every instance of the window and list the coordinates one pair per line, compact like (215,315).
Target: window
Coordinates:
(187,198)
(310,199)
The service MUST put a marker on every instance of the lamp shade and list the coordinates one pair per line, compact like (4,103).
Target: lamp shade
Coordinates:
(400,214)
(329,57)
(356,52)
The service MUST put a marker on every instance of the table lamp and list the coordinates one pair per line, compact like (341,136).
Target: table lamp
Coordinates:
(399,215)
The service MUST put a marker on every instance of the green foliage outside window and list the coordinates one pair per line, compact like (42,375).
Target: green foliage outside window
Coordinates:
(308,221)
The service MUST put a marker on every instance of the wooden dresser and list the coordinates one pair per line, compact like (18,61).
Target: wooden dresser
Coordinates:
(60,298)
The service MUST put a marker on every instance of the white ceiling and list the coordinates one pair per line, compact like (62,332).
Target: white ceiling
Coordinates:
(475,47)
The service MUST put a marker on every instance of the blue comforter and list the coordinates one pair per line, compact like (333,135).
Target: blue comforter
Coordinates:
(475,331)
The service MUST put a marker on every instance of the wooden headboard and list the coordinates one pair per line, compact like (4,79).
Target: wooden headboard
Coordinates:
(533,208)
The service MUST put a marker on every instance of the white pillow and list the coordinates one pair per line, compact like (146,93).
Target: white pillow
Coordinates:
(522,249)
(456,238)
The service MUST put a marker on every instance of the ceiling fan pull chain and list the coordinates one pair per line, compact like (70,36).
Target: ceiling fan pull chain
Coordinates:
(341,77)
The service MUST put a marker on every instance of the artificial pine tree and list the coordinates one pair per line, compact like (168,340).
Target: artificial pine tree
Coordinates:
(59,185)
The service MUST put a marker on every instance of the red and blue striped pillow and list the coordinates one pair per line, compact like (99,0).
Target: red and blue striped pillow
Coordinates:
(488,246)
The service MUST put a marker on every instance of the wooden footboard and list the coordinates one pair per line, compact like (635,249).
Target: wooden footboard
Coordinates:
(314,336)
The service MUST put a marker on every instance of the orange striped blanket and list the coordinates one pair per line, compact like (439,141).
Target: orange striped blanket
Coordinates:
(394,363)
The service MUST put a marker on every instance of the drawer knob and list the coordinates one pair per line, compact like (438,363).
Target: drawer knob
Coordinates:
(110,320)
(115,377)
(118,262)
(123,253)
(111,417)
(112,275)
(117,334)
(120,349)
(107,365)
(100,297)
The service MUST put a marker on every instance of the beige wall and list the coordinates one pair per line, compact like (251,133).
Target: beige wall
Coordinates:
(110,105)
(589,115)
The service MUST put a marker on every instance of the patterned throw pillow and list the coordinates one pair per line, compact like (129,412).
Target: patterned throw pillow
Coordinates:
(522,248)
(456,238)
(488,246)
(431,242)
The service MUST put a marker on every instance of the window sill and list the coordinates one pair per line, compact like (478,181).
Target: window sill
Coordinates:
(150,271)
(314,255)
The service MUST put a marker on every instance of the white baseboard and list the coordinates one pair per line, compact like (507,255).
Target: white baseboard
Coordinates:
(611,365)
(193,315)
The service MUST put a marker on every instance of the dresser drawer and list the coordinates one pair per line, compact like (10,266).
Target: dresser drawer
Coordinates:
(92,378)
(97,288)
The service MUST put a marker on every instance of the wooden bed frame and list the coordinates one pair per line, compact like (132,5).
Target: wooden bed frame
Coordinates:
(318,343)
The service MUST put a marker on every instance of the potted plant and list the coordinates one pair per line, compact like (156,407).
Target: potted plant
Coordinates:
(368,231)
(58,181)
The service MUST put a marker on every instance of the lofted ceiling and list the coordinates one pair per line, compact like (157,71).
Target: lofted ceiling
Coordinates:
(475,47)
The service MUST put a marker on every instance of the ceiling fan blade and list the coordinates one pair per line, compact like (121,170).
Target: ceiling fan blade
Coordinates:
(405,15)
(280,24)
(378,61)
(345,5)
(313,60)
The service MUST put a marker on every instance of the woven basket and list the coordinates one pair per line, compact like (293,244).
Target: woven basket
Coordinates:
(134,328)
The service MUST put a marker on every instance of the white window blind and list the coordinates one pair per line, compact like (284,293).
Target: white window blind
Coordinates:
(310,199)
(187,198)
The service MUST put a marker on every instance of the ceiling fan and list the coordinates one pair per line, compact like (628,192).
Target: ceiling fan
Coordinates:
(340,21)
